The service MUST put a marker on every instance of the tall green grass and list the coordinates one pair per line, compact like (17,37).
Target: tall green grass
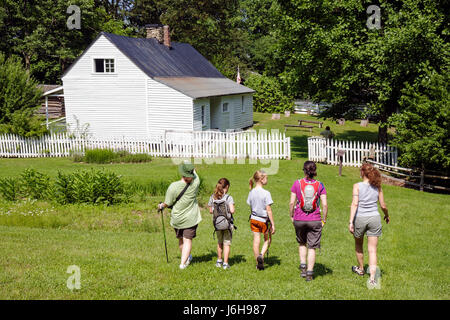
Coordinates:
(104,156)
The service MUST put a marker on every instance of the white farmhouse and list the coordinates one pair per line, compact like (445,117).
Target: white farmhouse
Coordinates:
(139,87)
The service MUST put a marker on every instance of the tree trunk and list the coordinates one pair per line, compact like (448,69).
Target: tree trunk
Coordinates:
(382,134)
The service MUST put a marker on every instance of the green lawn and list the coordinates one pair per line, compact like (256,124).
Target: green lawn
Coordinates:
(120,249)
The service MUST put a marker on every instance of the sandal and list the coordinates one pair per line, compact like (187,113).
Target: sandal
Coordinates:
(358,271)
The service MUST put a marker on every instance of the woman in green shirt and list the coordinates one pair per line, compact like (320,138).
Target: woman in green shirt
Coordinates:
(185,215)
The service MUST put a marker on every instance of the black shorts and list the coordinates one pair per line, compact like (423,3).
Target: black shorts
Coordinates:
(188,233)
(308,233)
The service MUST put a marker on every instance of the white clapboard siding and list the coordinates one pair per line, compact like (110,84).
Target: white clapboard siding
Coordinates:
(168,108)
(179,144)
(112,104)
(324,150)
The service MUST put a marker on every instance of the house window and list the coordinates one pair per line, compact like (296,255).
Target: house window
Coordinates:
(203,116)
(225,107)
(242,104)
(104,65)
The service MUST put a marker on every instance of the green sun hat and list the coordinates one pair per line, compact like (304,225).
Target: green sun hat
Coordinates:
(186,170)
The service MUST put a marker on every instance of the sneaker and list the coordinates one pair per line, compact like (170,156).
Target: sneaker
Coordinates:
(219,263)
(189,260)
(183,266)
(260,260)
(226,266)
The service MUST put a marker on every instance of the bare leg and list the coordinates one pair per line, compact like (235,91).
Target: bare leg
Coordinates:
(256,242)
(185,249)
(226,253)
(372,243)
(302,251)
(266,244)
(219,251)
(359,252)
(311,259)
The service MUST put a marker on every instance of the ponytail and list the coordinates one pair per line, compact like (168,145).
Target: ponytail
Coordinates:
(372,173)
(257,176)
(222,184)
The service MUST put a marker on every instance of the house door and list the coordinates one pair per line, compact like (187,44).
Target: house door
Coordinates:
(215,113)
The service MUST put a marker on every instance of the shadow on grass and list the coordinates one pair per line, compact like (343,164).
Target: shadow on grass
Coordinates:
(299,146)
(235,259)
(357,135)
(271,260)
(205,257)
(212,256)
(321,270)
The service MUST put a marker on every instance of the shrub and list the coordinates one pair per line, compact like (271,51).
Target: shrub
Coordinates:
(99,156)
(269,96)
(9,188)
(89,187)
(19,98)
(34,184)
(103,156)
(63,188)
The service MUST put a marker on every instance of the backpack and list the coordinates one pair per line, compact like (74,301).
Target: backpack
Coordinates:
(310,191)
(222,218)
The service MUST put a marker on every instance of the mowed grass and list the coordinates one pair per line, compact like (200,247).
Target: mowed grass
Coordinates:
(120,249)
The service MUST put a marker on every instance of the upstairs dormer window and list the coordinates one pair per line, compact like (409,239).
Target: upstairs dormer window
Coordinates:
(104,66)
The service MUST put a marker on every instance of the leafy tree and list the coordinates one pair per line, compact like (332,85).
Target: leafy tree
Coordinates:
(268,96)
(422,128)
(37,31)
(328,54)
(19,98)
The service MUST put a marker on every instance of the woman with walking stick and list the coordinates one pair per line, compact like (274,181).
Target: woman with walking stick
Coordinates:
(181,197)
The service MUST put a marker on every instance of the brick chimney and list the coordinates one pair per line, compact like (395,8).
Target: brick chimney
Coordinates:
(159,32)
(167,37)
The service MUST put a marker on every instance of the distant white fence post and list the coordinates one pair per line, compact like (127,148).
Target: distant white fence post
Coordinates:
(324,150)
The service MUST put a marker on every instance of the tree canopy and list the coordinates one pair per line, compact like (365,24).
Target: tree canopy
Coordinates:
(322,50)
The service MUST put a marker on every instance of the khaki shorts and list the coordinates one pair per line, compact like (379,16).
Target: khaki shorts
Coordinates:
(188,233)
(367,225)
(224,237)
(308,233)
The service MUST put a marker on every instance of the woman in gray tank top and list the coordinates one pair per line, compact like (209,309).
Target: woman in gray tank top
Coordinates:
(365,218)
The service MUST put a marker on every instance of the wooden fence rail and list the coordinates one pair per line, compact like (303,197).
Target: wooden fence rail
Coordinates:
(354,152)
(198,144)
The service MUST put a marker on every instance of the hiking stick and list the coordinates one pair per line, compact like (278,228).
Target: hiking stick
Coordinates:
(164,232)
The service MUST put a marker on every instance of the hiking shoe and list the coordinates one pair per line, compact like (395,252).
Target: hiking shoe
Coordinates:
(309,275)
(219,263)
(302,270)
(260,260)
(226,266)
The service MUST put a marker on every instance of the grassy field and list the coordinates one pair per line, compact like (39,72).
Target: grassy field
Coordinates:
(120,248)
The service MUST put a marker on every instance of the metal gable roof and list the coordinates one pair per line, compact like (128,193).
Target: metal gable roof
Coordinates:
(199,87)
(157,60)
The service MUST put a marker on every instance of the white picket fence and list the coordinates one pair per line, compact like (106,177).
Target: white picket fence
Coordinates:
(177,144)
(325,150)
